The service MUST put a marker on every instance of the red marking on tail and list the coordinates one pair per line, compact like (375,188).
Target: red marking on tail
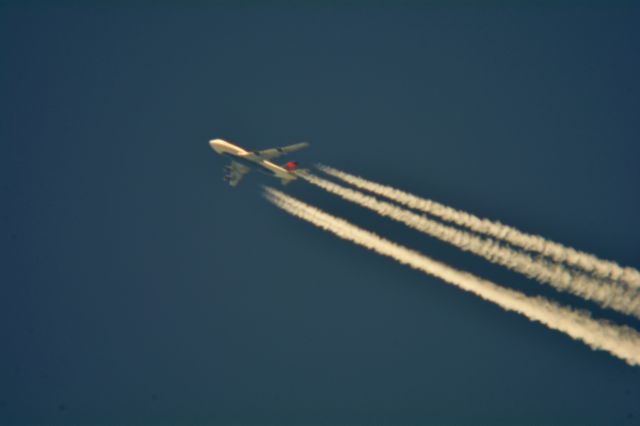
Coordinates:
(291,165)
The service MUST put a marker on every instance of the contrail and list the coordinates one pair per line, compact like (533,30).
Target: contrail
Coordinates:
(607,294)
(603,269)
(621,341)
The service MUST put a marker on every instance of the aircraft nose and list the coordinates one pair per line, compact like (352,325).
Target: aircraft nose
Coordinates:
(215,145)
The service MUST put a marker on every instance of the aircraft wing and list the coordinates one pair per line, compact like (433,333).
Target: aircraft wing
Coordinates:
(270,153)
(235,172)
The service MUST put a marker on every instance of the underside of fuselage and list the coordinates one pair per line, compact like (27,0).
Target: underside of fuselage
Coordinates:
(253,165)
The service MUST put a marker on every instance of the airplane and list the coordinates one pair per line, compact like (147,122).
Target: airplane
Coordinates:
(243,161)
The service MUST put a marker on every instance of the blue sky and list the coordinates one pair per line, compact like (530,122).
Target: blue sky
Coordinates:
(139,287)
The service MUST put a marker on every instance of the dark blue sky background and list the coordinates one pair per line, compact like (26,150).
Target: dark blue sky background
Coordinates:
(136,286)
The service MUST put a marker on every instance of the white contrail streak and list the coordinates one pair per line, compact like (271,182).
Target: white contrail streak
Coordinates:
(621,341)
(605,293)
(589,263)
